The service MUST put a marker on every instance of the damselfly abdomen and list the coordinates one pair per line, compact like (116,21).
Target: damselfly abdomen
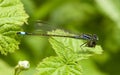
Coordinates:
(91,40)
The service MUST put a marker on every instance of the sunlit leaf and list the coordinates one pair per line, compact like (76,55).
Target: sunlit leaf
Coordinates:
(69,48)
(12,17)
(55,66)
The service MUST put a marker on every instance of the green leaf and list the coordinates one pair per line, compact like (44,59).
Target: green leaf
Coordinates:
(69,55)
(12,17)
(54,66)
(69,48)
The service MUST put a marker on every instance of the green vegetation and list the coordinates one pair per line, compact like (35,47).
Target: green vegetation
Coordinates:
(60,55)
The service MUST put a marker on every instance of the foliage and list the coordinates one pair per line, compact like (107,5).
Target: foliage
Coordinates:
(69,54)
(12,17)
(99,17)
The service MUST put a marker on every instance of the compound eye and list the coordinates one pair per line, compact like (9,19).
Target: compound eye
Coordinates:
(95,37)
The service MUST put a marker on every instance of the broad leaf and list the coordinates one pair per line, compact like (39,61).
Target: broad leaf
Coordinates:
(69,55)
(12,17)
(69,48)
(55,66)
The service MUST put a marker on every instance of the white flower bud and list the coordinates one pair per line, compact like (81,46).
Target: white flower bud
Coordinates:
(24,64)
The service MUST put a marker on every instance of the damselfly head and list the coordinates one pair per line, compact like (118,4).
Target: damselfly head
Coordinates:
(93,41)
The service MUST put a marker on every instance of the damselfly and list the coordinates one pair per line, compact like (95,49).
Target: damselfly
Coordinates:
(91,39)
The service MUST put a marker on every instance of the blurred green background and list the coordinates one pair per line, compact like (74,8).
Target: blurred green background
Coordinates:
(101,17)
